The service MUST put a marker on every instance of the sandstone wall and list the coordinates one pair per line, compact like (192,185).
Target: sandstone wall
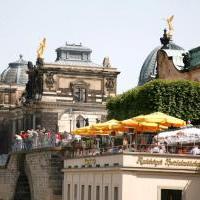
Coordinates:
(167,70)
(42,169)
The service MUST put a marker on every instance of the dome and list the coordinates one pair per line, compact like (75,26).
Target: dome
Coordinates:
(16,72)
(148,70)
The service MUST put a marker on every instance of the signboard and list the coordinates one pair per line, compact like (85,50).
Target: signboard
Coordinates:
(167,162)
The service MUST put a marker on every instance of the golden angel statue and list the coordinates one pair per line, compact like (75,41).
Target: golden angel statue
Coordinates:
(41,48)
(170,26)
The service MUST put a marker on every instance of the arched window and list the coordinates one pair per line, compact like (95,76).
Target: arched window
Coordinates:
(79,121)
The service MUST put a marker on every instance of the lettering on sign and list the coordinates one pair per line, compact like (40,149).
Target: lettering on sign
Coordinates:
(149,161)
(90,161)
(167,162)
(185,163)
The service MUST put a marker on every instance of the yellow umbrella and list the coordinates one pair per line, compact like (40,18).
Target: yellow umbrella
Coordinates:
(90,131)
(141,126)
(83,130)
(161,119)
(149,127)
(106,125)
(130,123)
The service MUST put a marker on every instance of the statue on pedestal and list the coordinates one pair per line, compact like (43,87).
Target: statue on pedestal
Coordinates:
(34,86)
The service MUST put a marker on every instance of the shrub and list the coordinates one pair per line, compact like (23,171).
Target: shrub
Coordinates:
(177,98)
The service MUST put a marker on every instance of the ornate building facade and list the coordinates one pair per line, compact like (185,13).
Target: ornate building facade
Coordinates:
(62,95)
(12,85)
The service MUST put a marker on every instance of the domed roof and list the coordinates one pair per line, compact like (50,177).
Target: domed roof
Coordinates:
(148,70)
(16,72)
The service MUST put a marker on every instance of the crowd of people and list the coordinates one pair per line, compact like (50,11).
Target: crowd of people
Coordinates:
(41,138)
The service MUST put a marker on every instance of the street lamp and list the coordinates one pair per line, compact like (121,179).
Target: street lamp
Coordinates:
(70,120)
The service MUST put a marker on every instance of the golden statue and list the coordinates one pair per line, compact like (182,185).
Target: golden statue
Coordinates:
(41,48)
(170,26)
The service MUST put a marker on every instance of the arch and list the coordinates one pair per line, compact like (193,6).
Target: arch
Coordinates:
(24,184)
(80,121)
(22,190)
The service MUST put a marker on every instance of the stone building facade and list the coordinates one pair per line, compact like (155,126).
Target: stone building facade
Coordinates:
(74,90)
(61,96)
(12,86)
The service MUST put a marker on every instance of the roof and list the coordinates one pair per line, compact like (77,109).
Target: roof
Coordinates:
(16,72)
(148,70)
(76,63)
(74,47)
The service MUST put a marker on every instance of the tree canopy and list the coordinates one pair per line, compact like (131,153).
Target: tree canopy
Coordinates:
(177,98)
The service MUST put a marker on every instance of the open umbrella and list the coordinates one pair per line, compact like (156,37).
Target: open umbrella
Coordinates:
(161,119)
(141,126)
(106,125)
(83,130)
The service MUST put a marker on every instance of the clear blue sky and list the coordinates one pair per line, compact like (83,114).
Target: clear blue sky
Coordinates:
(124,30)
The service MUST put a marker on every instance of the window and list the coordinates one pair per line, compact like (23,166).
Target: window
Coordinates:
(75,56)
(106,193)
(89,192)
(80,94)
(97,192)
(6,99)
(82,192)
(75,191)
(115,193)
(79,121)
(68,192)
(168,194)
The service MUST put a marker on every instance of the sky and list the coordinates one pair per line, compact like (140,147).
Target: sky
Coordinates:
(124,30)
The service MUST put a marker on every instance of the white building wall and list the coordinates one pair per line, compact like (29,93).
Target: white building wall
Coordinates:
(94,179)
(64,122)
(142,186)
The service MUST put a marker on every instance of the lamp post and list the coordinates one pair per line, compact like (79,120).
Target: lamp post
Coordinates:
(70,120)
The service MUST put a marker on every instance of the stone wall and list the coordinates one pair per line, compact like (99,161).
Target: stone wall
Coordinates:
(41,168)
(8,178)
(167,70)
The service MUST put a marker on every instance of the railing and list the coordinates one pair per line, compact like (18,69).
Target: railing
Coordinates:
(151,149)
(80,148)
(36,143)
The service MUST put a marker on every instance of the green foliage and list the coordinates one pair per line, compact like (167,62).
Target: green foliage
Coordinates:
(177,98)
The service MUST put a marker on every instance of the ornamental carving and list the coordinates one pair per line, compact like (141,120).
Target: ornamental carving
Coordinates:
(110,84)
(49,80)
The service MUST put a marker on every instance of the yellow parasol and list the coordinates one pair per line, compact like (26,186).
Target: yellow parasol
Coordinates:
(101,128)
(81,131)
(161,119)
(109,125)
(141,126)
(90,131)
